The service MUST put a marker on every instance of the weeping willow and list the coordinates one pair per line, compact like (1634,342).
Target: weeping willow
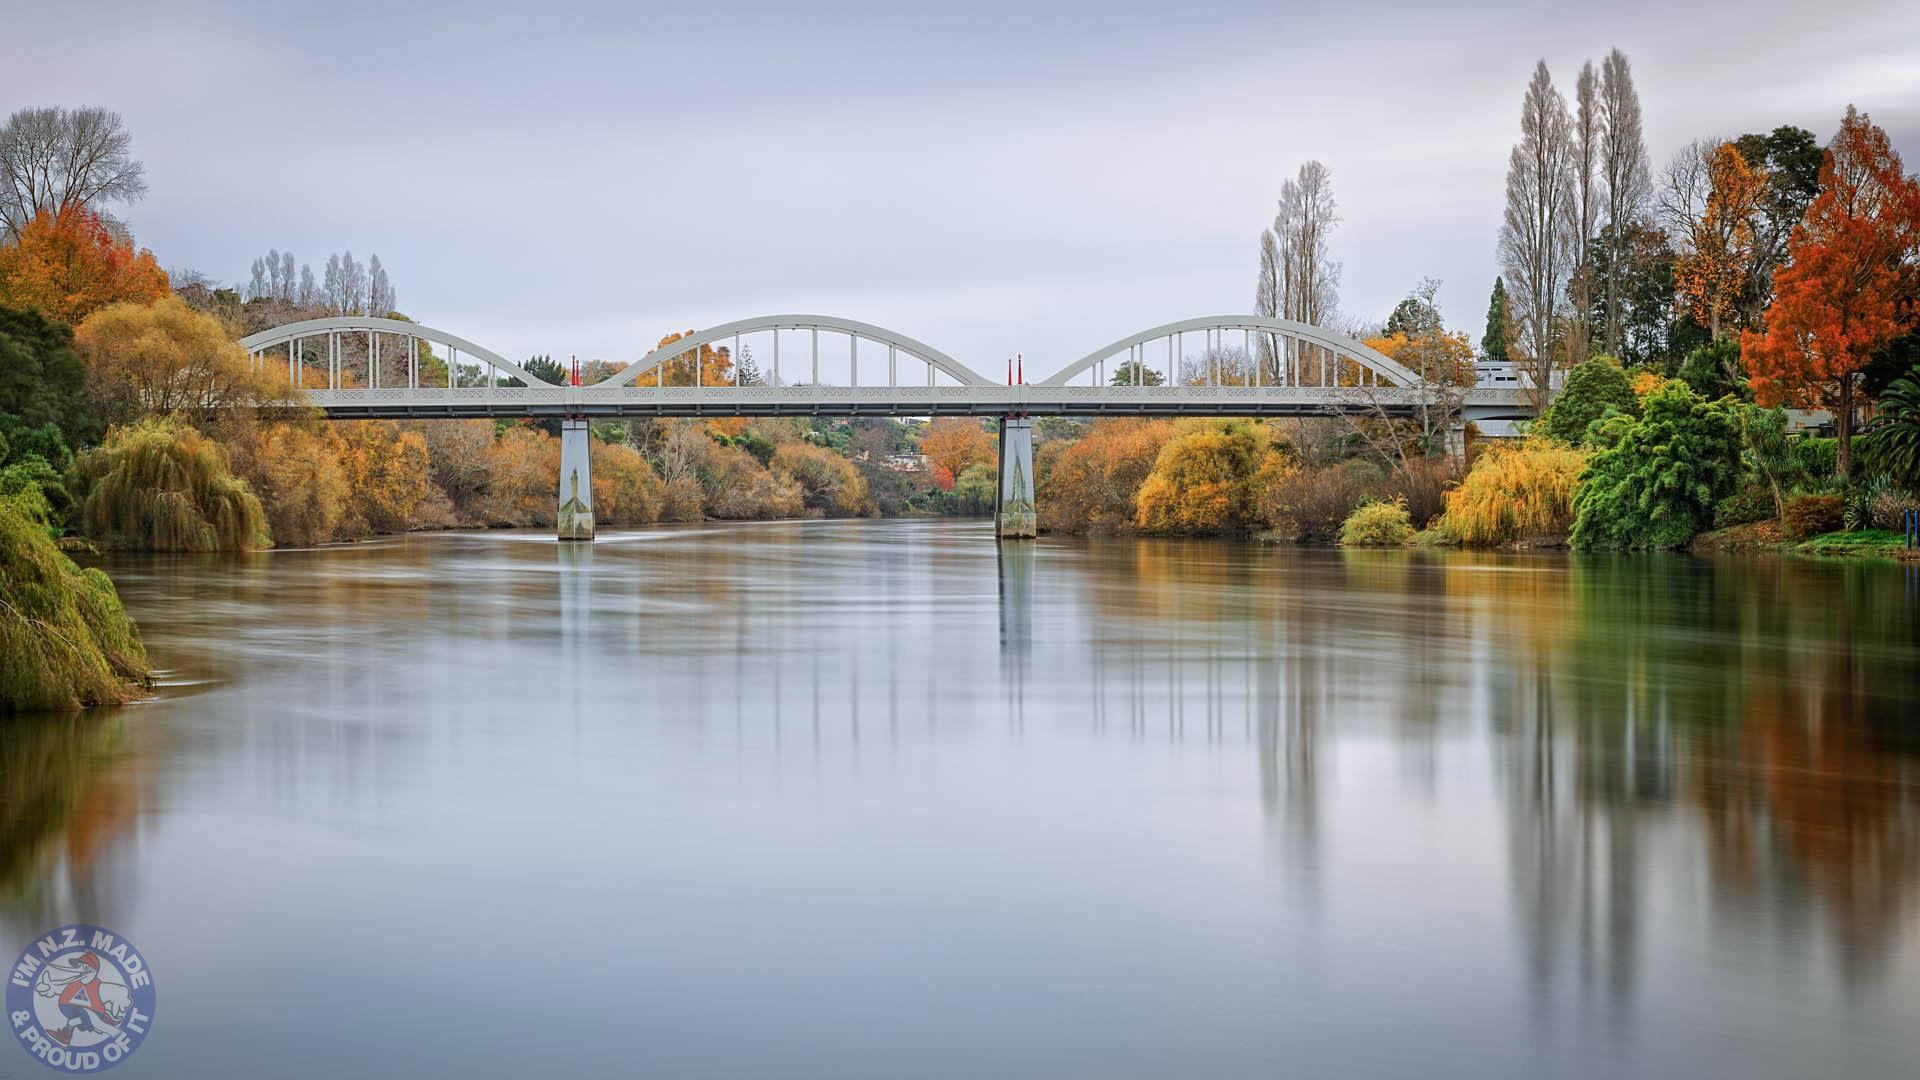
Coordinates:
(159,485)
(65,641)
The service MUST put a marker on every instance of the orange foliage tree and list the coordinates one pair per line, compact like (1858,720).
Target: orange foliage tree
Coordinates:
(1092,485)
(1850,283)
(952,443)
(1708,276)
(713,367)
(68,265)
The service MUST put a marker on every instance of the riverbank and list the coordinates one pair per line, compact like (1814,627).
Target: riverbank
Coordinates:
(1763,537)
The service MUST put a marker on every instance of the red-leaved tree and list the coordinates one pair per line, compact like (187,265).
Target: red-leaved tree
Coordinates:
(1850,284)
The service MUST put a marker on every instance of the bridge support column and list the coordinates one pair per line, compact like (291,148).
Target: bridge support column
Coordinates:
(576,481)
(1013,516)
(1457,440)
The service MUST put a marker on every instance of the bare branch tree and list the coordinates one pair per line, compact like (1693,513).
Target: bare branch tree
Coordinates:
(53,159)
(1536,236)
(1266,291)
(1623,167)
(1309,279)
(1588,138)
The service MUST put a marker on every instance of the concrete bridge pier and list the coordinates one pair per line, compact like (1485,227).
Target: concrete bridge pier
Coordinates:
(575,520)
(1013,516)
(1457,440)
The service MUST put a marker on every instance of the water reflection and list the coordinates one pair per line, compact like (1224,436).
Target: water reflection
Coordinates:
(1610,776)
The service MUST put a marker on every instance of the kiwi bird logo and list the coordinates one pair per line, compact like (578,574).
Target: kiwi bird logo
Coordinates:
(92,1004)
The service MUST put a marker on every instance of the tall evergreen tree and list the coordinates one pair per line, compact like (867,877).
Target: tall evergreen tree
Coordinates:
(1494,345)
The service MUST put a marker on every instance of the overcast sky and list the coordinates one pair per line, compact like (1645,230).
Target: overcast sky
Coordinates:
(989,177)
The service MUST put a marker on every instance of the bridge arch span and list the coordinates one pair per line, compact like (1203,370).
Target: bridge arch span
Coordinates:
(856,331)
(367,324)
(1277,332)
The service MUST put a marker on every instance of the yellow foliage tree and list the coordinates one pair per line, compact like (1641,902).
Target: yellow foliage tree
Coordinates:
(294,469)
(1515,493)
(828,483)
(1202,481)
(625,489)
(166,358)
(387,476)
(521,466)
(712,367)
(159,485)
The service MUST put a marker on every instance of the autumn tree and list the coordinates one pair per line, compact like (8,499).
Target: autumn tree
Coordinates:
(1718,244)
(1850,283)
(1093,483)
(829,484)
(1202,480)
(55,160)
(145,360)
(69,264)
(705,365)
(951,443)
(387,476)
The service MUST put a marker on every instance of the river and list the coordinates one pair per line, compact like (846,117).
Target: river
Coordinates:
(877,799)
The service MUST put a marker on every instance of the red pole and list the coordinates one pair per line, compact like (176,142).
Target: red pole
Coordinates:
(1021,358)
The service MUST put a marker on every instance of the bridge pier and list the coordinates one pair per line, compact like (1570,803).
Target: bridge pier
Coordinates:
(575,521)
(1013,516)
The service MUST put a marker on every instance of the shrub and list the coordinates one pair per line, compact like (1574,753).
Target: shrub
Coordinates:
(1713,370)
(1753,502)
(625,489)
(294,470)
(65,641)
(1310,504)
(1201,481)
(736,487)
(521,465)
(1656,481)
(1092,485)
(159,485)
(1811,515)
(1889,508)
(1377,524)
(388,478)
(1421,486)
(1816,457)
(828,483)
(1515,493)
(1592,388)
(973,492)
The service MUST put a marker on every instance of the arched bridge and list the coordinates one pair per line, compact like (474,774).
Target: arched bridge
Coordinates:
(363,367)
(356,367)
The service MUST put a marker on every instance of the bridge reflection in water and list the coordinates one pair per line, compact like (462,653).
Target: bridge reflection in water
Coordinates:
(1598,779)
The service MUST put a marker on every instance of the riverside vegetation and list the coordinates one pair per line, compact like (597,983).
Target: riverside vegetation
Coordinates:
(130,418)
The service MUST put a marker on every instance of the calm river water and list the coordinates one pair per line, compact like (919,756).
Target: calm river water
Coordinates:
(873,799)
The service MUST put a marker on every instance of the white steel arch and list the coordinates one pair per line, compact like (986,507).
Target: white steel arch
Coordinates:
(1275,330)
(857,331)
(313,328)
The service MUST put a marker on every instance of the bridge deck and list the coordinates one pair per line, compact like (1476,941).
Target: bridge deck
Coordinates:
(615,401)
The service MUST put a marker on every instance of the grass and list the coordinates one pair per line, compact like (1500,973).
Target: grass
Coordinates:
(1866,543)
